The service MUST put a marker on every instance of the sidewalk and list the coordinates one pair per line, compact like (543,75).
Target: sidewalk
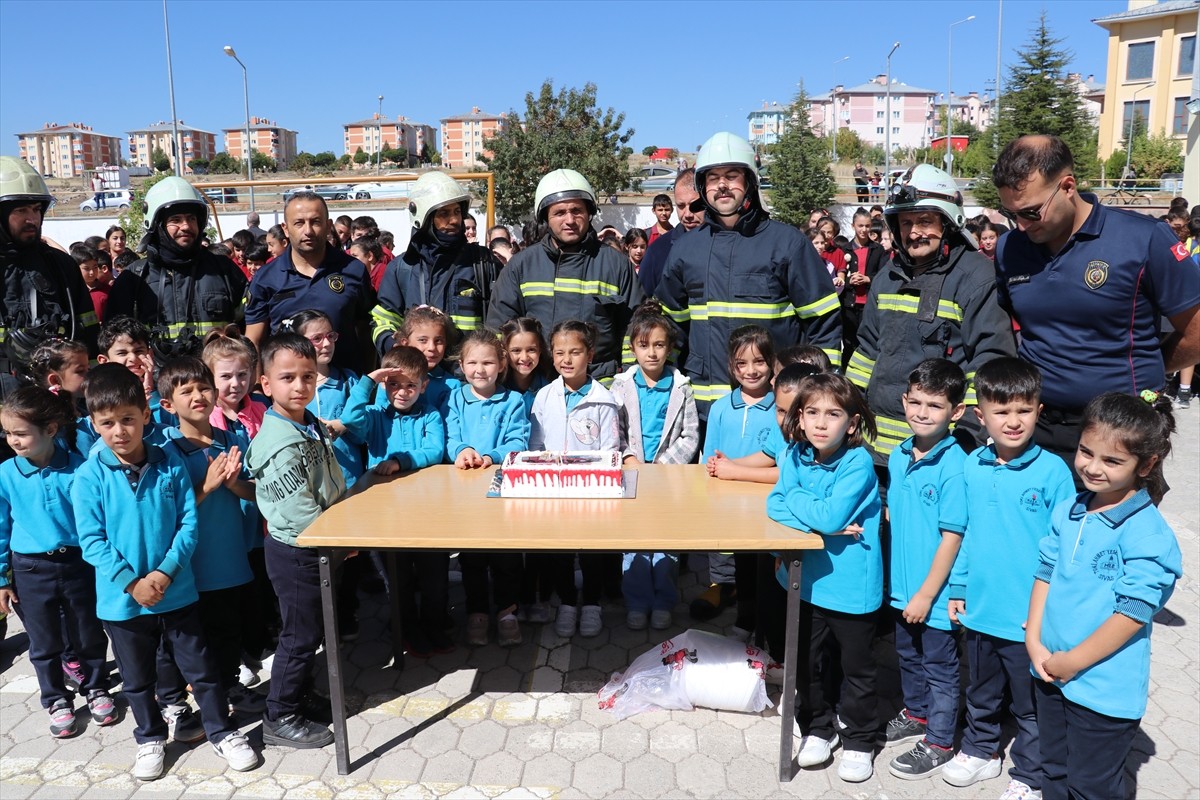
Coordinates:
(523,722)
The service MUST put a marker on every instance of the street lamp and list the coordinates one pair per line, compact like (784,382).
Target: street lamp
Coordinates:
(1129,136)
(379,152)
(176,155)
(887,135)
(834,104)
(229,51)
(949,92)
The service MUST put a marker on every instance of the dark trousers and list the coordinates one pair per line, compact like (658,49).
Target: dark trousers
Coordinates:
(850,635)
(505,568)
(1083,752)
(536,578)
(260,608)
(1058,432)
(426,572)
(852,314)
(221,621)
(929,677)
(996,665)
(57,603)
(135,643)
(562,577)
(296,575)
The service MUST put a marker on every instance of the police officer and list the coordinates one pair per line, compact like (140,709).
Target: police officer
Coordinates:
(43,293)
(1089,285)
(569,274)
(180,290)
(739,268)
(935,299)
(440,268)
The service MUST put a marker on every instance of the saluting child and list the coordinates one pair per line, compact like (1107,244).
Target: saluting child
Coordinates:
(659,425)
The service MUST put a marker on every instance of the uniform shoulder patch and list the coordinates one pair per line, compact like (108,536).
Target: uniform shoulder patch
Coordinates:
(1180,251)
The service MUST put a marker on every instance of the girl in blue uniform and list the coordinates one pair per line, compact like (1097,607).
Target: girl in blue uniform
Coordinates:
(827,485)
(50,586)
(484,424)
(61,365)
(1109,563)
(429,330)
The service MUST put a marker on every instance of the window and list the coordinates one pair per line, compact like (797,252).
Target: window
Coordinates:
(895,115)
(878,115)
(1142,109)
(1139,61)
(1179,121)
(1187,55)
(879,130)
(896,129)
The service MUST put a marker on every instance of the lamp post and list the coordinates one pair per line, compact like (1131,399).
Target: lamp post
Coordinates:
(949,93)
(1129,136)
(177,157)
(887,135)
(834,103)
(229,51)
(379,150)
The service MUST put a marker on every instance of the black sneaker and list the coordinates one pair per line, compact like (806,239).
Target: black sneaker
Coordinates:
(903,729)
(715,598)
(348,629)
(417,644)
(293,730)
(920,762)
(441,643)
(1183,398)
(316,707)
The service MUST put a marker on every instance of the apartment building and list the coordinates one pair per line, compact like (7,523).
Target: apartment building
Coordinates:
(265,137)
(193,142)
(463,138)
(380,132)
(864,109)
(765,125)
(68,151)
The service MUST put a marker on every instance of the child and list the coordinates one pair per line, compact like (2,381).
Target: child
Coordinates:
(368,250)
(234,366)
(528,358)
(827,485)
(429,330)
(1014,486)
(663,207)
(927,506)
(406,434)
(136,516)
(575,413)
(1108,564)
(485,423)
(257,257)
(50,586)
(738,425)
(61,365)
(88,260)
(296,478)
(220,565)
(125,341)
(659,425)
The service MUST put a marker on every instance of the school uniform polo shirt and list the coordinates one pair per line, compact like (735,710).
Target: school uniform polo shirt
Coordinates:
(1090,315)
(572,398)
(652,401)
(341,288)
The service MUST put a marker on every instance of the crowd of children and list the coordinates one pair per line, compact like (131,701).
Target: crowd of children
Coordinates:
(156,508)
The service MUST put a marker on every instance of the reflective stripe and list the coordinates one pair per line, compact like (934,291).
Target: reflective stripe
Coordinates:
(680,315)
(891,433)
(197,328)
(835,357)
(909,304)
(859,369)
(466,323)
(970,397)
(717,308)
(89,318)
(709,393)
(537,289)
(567,286)
(820,308)
(384,321)
(3,335)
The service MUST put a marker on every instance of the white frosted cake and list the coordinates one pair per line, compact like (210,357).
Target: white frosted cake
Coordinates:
(591,473)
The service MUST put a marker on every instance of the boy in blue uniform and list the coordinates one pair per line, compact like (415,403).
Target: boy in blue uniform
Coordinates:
(927,505)
(1014,486)
(125,341)
(136,517)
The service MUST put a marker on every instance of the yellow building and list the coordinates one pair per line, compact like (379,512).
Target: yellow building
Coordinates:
(1151,63)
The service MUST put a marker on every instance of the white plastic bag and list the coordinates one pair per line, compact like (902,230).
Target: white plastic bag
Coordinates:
(695,668)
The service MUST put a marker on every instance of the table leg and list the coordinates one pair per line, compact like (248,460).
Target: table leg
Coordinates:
(329,559)
(792,655)
(396,607)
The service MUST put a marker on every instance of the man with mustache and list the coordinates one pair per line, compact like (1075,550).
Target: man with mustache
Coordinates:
(179,289)
(936,299)
(43,292)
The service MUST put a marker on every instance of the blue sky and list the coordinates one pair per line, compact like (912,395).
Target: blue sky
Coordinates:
(679,70)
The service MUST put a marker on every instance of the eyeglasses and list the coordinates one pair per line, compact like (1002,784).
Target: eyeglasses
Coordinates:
(331,337)
(1031,214)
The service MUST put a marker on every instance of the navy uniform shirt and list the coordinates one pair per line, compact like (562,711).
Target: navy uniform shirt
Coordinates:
(1090,316)
(341,288)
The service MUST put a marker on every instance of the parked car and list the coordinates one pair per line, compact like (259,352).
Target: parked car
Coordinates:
(662,182)
(331,192)
(376,190)
(113,198)
(222,194)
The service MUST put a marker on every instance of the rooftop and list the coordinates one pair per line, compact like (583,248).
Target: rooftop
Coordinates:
(1162,9)
(73,127)
(475,114)
(874,87)
(161,126)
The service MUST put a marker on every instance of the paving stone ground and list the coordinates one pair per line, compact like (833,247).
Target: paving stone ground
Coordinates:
(524,723)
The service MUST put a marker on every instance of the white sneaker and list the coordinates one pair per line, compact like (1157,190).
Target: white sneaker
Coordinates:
(1019,790)
(148,765)
(815,751)
(855,766)
(247,677)
(564,624)
(590,621)
(236,751)
(964,770)
(636,620)
(661,619)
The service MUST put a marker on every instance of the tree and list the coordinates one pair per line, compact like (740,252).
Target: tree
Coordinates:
(325,159)
(849,146)
(800,170)
(224,164)
(1154,155)
(199,165)
(1040,100)
(344,160)
(159,160)
(132,219)
(303,162)
(649,150)
(261,162)
(429,155)
(360,157)
(395,155)
(559,130)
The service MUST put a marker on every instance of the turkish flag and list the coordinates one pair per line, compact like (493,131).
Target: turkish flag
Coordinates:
(1180,251)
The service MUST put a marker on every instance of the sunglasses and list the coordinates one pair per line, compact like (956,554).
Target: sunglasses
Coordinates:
(1031,214)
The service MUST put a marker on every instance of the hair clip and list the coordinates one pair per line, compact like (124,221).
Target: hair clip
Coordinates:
(287,323)
(1149,395)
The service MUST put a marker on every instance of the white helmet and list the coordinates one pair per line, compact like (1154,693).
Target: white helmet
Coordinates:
(169,193)
(925,187)
(559,185)
(432,191)
(727,150)
(20,183)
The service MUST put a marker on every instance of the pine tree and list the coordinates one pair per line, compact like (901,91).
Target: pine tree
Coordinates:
(800,169)
(1039,99)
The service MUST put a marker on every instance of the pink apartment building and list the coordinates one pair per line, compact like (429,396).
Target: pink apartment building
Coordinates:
(864,109)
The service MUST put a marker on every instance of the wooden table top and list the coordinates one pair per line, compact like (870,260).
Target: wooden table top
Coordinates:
(677,508)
